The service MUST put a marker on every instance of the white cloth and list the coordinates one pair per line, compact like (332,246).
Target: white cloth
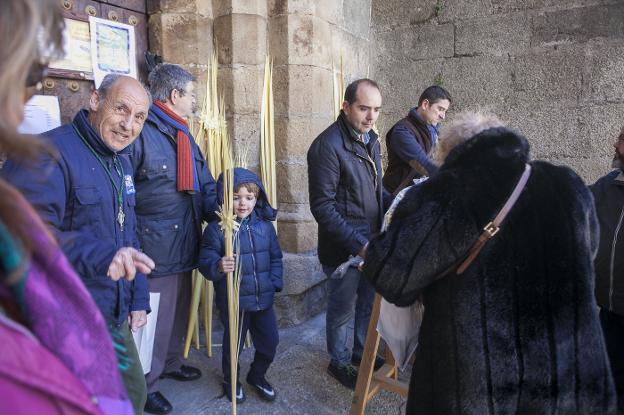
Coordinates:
(144,337)
(399,326)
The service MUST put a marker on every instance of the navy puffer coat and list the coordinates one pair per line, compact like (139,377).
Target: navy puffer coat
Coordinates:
(256,245)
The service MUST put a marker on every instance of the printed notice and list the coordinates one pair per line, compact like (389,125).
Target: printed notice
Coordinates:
(41,114)
(77,44)
(113,49)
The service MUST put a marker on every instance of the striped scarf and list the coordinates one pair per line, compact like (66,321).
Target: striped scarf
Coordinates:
(187,180)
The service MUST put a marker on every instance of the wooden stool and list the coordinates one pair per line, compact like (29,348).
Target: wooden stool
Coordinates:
(369,383)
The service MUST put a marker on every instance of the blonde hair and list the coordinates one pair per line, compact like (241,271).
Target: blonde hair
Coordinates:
(31,33)
(464,126)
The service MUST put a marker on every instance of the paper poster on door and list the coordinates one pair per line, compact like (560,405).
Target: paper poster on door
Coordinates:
(77,46)
(41,114)
(113,49)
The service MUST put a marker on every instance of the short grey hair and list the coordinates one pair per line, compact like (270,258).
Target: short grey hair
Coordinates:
(165,78)
(464,126)
(109,80)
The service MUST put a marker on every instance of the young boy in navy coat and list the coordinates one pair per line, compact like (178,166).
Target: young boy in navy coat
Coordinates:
(261,276)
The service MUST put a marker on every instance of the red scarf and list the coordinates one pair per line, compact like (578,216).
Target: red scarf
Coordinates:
(186,180)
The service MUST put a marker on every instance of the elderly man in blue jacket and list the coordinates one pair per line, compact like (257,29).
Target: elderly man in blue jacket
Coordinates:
(84,191)
(175,193)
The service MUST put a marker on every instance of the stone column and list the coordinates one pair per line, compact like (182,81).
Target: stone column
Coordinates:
(181,32)
(240,31)
(304,37)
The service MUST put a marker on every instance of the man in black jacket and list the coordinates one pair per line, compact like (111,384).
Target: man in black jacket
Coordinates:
(609,264)
(174,193)
(410,141)
(346,199)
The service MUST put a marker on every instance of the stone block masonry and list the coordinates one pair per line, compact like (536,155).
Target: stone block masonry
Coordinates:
(553,69)
(303,37)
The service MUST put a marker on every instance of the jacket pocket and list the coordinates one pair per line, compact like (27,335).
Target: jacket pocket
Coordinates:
(88,210)
(161,240)
(157,168)
(353,203)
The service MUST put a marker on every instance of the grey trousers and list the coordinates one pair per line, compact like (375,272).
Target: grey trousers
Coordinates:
(173,313)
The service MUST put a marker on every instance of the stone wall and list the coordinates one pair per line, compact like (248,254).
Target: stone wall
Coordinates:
(553,69)
(181,32)
(302,37)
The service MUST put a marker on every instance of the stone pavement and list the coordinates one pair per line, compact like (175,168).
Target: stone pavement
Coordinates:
(298,375)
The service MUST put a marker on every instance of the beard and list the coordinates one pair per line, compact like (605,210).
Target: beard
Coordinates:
(617,162)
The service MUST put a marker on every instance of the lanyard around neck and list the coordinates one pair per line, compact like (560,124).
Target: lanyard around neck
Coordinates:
(118,169)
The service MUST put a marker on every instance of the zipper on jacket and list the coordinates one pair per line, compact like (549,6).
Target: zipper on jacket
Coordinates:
(253,262)
(612,264)
(370,160)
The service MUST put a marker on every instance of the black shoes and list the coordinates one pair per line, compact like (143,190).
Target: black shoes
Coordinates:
(157,404)
(263,388)
(240,393)
(345,374)
(356,360)
(184,374)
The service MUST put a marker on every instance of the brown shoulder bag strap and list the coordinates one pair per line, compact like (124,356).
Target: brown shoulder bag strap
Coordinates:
(493,227)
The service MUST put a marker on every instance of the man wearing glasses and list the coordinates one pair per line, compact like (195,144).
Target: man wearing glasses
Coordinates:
(175,192)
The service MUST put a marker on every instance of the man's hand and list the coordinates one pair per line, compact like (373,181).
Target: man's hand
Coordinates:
(227,264)
(362,253)
(137,319)
(127,261)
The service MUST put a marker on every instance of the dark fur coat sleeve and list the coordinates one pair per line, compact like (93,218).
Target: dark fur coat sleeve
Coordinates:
(430,232)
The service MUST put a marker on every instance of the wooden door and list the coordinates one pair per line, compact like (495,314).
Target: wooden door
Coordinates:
(73,87)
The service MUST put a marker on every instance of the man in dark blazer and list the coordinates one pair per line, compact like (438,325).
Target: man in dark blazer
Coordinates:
(86,195)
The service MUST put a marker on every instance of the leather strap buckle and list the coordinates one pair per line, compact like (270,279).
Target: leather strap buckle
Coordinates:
(491,229)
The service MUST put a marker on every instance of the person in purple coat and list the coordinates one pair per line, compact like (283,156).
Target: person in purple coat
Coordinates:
(56,355)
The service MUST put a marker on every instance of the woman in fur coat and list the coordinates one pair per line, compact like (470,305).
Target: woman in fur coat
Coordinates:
(518,331)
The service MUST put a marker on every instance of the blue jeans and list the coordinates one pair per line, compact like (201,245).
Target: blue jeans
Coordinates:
(346,293)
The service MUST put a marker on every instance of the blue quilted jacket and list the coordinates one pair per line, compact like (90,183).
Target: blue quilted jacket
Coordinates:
(257,247)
